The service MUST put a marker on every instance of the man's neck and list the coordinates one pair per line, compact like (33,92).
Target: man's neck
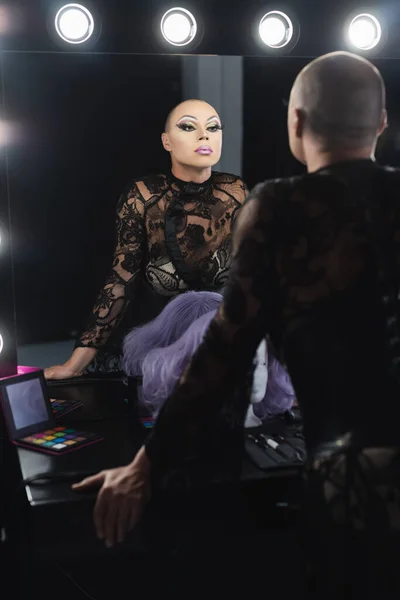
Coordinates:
(315,159)
(191,173)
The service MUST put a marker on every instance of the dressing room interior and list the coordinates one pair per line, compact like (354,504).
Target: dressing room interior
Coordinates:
(94,263)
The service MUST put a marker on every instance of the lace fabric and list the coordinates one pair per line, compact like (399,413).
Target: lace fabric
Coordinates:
(303,273)
(202,230)
(352,519)
(360,488)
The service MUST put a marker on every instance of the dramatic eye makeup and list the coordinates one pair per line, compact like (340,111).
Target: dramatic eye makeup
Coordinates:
(188,123)
(214,126)
(186,126)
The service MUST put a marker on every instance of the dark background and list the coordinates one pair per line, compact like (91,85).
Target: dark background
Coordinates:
(88,123)
(267,84)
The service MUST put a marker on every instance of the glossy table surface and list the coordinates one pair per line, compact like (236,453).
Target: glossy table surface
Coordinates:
(60,520)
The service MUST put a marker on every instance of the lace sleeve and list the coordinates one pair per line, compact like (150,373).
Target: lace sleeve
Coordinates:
(220,364)
(238,190)
(235,188)
(241,194)
(113,298)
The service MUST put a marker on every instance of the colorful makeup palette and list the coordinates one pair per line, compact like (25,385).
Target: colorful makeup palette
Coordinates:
(62,407)
(30,416)
(59,439)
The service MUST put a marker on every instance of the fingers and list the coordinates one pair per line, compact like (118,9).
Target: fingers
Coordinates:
(113,516)
(53,370)
(88,482)
(110,518)
(48,373)
(119,504)
(60,372)
(100,512)
(124,519)
(135,514)
(53,374)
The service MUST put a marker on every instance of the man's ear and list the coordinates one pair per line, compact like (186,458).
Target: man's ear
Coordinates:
(384,122)
(165,142)
(298,122)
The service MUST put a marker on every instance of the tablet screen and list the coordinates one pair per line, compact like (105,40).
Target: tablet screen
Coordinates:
(27,403)
(26,406)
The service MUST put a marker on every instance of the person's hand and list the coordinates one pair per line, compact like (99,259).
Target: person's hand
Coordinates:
(74,366)
(122,497)
(61,372)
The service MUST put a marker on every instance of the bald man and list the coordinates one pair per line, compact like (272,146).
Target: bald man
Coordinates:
(336,111)
(316,266)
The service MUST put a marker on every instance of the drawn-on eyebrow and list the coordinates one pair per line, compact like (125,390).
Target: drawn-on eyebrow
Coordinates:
(187,117)
(213,118)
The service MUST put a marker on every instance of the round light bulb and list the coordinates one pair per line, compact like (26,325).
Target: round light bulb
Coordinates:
(365,32)
(275,29)
(74,23)
(178,27)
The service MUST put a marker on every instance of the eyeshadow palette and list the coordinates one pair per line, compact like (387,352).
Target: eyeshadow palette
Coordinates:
(30,416)
(62,407)
(59,440)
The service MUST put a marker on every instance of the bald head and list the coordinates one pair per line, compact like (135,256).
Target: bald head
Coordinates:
(342,99)
(186,107)
(189,126)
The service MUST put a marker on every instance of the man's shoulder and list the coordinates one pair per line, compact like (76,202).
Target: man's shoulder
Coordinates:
(309,182)
(391,172)
(282,186)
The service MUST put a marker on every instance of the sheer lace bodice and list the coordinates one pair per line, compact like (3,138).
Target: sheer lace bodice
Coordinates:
(303,272)
(175,234)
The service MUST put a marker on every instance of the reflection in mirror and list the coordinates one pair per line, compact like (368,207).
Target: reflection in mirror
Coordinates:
(91,134)
(83,128)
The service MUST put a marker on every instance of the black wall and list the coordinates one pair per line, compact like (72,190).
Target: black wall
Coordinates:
(86,125)
(267,84)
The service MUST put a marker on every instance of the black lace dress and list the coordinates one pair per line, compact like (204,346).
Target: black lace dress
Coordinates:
(308,270)
(172,236)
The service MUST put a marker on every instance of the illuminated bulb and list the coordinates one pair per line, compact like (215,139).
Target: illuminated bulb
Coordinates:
(178,27)
(365,32)
(275,29)
(74,23)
